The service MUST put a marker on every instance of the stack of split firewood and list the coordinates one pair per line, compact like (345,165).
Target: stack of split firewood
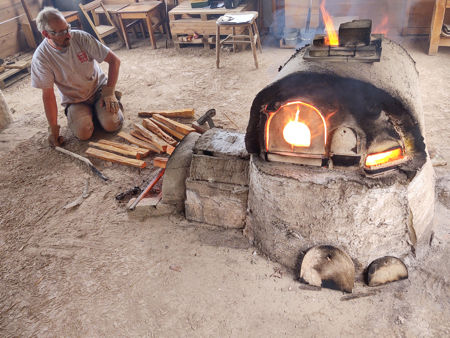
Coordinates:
(158,133)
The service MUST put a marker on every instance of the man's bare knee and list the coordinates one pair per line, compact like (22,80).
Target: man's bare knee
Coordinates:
(84,130)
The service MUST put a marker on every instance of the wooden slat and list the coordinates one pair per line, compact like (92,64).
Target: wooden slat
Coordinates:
(179,127)
(168,130)
(188,112)
(142,151)
(160,162)
(138,135)
(158,131)
(150,136)
(137,142)
(104,155)
(113,149)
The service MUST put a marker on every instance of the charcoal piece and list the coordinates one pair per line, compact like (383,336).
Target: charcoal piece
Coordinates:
(355,33)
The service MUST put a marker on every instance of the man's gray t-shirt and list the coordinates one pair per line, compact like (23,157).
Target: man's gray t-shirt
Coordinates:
(74,69)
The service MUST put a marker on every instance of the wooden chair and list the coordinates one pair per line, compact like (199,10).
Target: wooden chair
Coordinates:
(100,30)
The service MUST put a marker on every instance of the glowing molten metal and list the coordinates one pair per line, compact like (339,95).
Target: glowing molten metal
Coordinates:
(332,38)
(384,157)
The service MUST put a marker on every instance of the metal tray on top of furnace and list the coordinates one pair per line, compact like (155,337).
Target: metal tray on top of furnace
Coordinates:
(355,43)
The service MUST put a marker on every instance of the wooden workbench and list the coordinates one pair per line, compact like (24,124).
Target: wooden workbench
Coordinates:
(186,21)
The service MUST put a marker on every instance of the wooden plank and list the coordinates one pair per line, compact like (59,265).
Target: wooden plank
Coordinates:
(141,137)
(150,136)
(133,153)
(177,126)
(187,112)
(104,155)
(167,129)
(137,142)
(158,131)
(160,162)
(170,149)
(143,152)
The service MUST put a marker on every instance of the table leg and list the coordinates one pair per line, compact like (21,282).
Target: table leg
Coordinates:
(150,31)
(124,32)
(217,45)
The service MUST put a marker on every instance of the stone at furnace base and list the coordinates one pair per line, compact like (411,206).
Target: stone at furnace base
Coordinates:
(292,208)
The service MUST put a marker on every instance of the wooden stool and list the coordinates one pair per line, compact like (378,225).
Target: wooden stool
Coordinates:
(243,21)
(436,39)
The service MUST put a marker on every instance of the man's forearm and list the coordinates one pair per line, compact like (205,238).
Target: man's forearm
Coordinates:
(50,107)
(113,69)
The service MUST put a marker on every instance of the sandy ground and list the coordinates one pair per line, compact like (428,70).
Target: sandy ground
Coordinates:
(96,271)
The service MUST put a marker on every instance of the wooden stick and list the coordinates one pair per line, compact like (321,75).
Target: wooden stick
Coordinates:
(113,149)
(104,155)
(189,112)
(168,130)
(144,152)
(148,134)
(158,131)
(152,183)
(160,162)
(85,160)
(138,135)
(179,127)
(137,142)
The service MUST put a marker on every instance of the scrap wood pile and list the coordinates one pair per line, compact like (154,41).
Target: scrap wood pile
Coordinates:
(158,133)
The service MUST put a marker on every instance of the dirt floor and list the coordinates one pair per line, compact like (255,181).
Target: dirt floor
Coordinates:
(96,271)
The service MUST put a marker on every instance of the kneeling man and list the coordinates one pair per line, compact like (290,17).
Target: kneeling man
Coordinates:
(70,60)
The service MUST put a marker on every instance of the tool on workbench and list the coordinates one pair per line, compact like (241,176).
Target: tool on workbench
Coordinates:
(85,160)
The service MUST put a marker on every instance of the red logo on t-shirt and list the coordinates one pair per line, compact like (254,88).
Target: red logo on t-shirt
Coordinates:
(82,56)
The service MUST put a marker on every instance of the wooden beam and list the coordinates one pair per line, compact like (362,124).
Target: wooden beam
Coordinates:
(179,127)
(158,131)
(137,142)
(160,162)
(168,130)
(133,153)
(138,135)
(104,155)
(142,151)
(188,112)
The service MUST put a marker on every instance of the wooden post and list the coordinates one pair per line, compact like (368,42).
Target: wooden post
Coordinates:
(5,114)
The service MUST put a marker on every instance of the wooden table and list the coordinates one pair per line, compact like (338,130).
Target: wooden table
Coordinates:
(436,39)
(185,20)
(112,9)
(142,11)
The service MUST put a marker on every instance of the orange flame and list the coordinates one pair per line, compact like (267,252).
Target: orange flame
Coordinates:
(382,27)
(384,157)
(332,38)
(297,133)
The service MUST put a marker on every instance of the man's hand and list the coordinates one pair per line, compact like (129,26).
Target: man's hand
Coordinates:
(110,100)
(54,138)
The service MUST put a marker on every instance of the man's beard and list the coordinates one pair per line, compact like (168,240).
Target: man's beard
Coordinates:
(63,44)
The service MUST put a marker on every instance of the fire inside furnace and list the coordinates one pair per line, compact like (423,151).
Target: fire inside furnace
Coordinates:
(296,127)
(297,133)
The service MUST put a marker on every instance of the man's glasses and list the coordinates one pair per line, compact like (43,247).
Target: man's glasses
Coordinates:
(61,33)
